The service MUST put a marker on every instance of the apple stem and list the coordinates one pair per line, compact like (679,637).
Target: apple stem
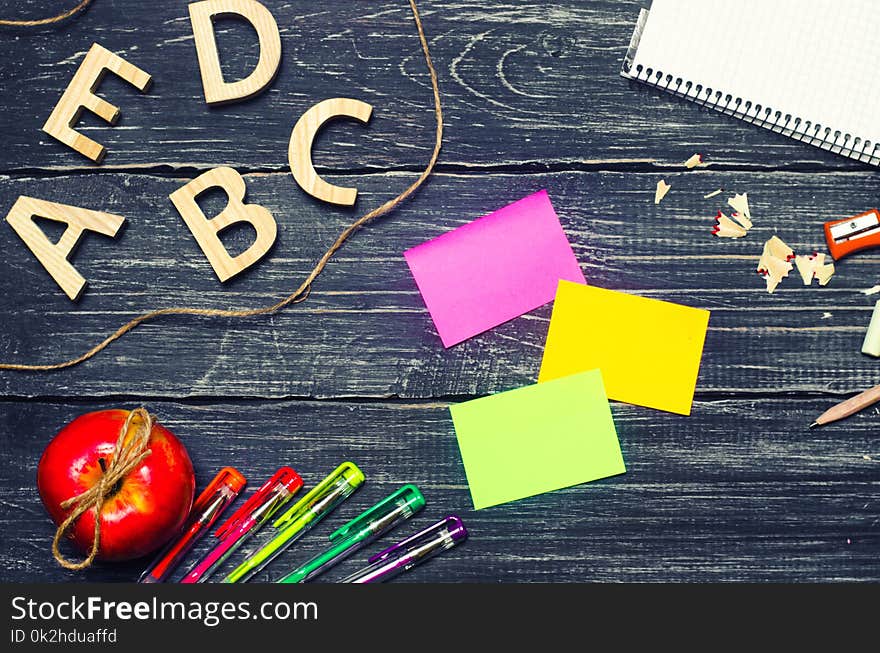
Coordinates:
(118,485)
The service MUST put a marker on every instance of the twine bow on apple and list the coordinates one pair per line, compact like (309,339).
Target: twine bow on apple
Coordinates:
(117,483)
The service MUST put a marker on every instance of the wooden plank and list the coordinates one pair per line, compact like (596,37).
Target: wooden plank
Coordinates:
(521,83)
(365,332)
(738,492)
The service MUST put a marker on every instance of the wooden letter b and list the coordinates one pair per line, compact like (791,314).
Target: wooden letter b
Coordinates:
(207,230)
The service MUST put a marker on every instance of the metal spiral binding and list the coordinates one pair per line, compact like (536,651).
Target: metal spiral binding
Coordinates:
(794,127)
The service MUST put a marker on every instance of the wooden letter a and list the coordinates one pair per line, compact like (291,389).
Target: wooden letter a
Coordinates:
(207,231)
(54,256)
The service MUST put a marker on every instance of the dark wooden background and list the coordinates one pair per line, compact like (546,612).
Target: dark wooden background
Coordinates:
(738,491)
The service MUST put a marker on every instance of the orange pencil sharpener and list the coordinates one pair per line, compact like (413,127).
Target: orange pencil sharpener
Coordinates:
(853,234)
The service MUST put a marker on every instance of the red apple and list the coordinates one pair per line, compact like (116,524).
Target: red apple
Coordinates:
(145,509)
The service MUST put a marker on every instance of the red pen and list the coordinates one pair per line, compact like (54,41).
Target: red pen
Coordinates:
(207,508)
(246,521)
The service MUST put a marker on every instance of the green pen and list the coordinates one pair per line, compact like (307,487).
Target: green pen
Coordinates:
(362,530)
(293,524)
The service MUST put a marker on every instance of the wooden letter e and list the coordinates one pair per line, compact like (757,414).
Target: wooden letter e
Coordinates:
(80,94)
(207,230)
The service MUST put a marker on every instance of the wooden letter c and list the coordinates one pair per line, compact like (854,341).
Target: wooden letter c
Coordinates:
(299,153)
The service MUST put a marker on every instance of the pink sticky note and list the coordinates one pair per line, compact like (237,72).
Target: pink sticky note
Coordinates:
(493,269)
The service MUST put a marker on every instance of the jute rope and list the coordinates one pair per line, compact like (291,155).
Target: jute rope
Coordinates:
(300,293)
(48,21)
(128,454)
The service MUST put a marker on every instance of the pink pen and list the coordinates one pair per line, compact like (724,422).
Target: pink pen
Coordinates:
(246,521)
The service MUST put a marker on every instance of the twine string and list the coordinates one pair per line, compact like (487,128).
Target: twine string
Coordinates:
(128,454)
(301,293)
(48,21)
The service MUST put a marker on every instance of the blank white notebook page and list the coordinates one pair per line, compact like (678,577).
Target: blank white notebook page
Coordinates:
(816,60)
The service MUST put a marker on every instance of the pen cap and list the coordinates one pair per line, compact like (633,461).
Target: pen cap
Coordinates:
(347,473)
(452,527)
(408,497)
(285,479)
(228,479)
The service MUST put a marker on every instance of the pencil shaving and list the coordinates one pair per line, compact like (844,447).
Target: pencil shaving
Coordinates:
(727,228)
(662,189)
(814,267)
(824,273)
(775,247)
(742,220)
(772,282)
(740,204)
(805,267)
(714,193)
(738,223)
(693,161)
(776,267)
(775,262)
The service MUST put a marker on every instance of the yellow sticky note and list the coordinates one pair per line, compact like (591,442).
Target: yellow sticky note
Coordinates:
(648,350)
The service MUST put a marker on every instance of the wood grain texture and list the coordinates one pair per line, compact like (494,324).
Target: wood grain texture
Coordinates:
(525,83)
(217,90)
(54,255)
(207,229)
(299,151)
(81,94)
(730,494)
(365,331)
(739,491)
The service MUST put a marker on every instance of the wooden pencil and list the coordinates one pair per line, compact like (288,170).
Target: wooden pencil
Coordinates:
(848,407)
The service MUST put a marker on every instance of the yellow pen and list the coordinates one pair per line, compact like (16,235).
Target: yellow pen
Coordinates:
(293,524)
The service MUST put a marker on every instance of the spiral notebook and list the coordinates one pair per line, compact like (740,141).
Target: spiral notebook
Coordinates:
(807,69)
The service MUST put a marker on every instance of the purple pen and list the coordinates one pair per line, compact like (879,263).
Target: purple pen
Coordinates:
(412,551)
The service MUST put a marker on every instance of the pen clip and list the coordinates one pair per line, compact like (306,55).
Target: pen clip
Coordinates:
(347,472)
(227,484)
(452,525)
(409,493)
(283,484)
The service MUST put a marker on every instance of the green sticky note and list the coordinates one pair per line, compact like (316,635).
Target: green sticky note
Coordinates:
(536,439)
